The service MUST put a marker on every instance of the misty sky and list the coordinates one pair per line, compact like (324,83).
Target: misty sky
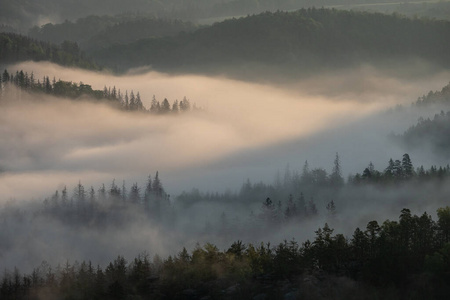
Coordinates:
(247,130)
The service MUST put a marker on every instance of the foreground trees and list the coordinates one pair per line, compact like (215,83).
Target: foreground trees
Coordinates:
(405,257)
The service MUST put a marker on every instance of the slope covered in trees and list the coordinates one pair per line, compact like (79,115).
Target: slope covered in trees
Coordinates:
(23,14)
(422,9)
(436,97)
(16,48)
(94,32)
(394,259)
(429,133)
(297,42)
(67,89)
(432,133)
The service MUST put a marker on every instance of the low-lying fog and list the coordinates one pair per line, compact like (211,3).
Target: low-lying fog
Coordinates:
(246,130)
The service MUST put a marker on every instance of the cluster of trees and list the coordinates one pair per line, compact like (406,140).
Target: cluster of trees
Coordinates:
(429,133)
(97,207)
(302,41)
(311,193)
(435,97)
(16,48)
(434,132)
(405,258)
(398,171)
(131,102)
(293,200)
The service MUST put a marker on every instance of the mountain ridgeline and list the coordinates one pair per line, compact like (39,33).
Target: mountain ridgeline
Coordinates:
(96,32)
(23,14)
(298,42)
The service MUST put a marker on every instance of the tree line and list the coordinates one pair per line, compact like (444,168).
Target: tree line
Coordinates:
(93,32)
(405,258)
(398,171)
(72,90)
(302,41)
(22,15)
(256,208)
(102,206)
(428,131)
(435,97)
(16,48)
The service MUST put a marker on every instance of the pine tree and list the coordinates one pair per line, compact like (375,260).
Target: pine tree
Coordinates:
(389,171)
(102,193)
(132,101)
(165,106)
(291,209)
(407,166)
(331,208)
(135,197)
(138,102)
(305,178)
(157,186)
(269,212)
(154,106)
(301,207)
(185,105)
(114,191)
(5,77)
(127,101)
(175,107)
(336,174)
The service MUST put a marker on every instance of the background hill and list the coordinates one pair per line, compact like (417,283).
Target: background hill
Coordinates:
(290,42)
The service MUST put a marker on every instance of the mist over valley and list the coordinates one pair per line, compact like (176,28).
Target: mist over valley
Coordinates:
(299,153)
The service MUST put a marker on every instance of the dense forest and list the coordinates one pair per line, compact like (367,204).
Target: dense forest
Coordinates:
(16,48)
(389,259)
(82,218)
(297,42)
(23,15)
(426,9)
(94,32)
(394,259)
(256,210)
(287,43)
(429,133)
(67,89)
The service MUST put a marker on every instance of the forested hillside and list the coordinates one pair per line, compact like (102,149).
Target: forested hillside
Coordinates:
(24,14)
(17,48)
(389,259)
(414,9)
(305,177)
(83,91)
(430,133)
(291,43)
(94,32)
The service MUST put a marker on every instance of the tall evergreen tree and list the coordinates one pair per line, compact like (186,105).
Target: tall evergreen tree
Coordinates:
(407,166)
(336,174)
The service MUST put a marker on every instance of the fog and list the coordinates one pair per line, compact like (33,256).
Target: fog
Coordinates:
(64,141)
(245,130)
